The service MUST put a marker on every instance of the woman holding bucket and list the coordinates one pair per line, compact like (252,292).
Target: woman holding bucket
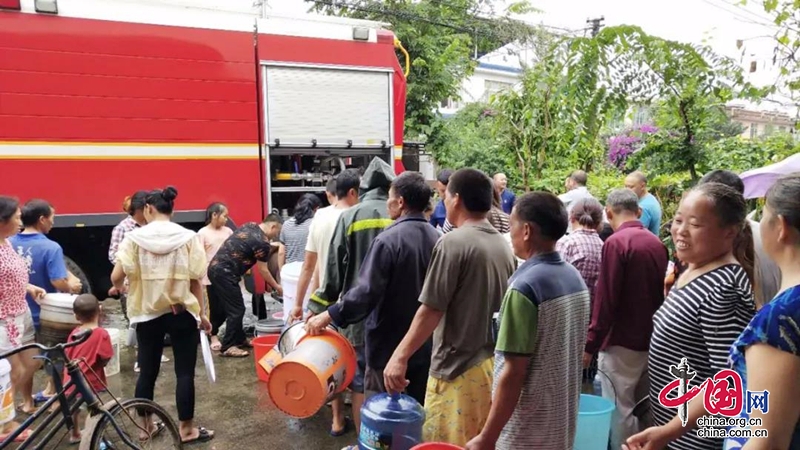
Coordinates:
(16,323)
(165,263)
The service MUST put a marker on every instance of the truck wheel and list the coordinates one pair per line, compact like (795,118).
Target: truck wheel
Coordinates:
(76,270)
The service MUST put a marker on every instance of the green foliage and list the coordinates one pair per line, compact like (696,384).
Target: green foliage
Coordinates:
(441,39)
(740,155)
(785,15)
(467,140)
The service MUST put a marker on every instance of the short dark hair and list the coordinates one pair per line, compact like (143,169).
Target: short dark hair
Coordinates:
(725,177)
(35,209)
(546,211)
(331,186)
(348,179)
(474,188)
(137,202)
(444,176)
(273,218)
(580,177)
(86,307)
(414,190)
(8,207)
(163,200)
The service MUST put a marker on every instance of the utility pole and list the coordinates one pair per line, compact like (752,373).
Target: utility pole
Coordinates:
(596,24)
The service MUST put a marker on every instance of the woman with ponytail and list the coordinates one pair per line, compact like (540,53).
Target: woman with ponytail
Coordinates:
(704,313)
(583,247)
(165,264)
(294,233)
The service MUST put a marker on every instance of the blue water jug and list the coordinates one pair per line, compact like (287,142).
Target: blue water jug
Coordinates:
(390,422)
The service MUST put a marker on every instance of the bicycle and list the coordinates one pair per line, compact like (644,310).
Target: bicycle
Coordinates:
(101,426)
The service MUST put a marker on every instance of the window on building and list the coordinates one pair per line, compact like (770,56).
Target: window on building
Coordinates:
(769,129)
(753,130)
(782,129)
(491,87)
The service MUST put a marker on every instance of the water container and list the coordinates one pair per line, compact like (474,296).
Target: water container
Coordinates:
(112,368)
(594,423)
(56,318)
(290,275)
(391,421)
(7,411)
(268,326)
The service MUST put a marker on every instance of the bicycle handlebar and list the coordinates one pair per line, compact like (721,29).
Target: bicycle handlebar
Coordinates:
(77,339)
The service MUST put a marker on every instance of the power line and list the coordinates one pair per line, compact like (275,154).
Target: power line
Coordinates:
(737,14)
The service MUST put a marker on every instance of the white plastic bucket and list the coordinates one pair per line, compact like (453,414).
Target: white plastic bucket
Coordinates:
(57,318)
(7,411)
(290,275)
(112,368)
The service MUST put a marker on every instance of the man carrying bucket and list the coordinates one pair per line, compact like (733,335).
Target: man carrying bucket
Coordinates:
(355,231)
(389,285)
(540,338)
(463,288)
(320,234)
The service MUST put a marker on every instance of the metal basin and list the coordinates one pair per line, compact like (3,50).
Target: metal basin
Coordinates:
(292,336)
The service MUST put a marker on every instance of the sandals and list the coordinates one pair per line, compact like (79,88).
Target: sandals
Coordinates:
(234,352)
(160,426)
(21,438)
(40,398)
(216,346)
(203,435)
(348,425)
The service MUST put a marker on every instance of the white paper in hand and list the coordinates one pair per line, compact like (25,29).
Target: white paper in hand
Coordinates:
(207,359)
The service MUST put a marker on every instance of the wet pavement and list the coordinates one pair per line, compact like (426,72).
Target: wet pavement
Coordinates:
(237,407)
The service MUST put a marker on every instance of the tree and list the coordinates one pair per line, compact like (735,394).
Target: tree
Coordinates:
(553,123)
(467,140)
(691,85)
(442,38)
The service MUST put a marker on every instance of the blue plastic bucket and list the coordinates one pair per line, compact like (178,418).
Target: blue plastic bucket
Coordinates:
(594,423)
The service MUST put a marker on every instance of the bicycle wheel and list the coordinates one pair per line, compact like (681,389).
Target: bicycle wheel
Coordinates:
(101,434)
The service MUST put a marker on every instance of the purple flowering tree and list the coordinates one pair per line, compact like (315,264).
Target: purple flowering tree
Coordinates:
(621,146)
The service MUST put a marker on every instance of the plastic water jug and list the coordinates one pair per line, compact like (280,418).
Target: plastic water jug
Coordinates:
(391,422)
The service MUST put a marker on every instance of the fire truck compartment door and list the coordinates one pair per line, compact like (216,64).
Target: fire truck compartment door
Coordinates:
(331,105)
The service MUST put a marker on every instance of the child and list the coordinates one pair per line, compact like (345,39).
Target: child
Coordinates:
(212,236)
(95,351)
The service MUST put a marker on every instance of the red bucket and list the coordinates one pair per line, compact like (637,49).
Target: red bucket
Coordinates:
(261,346)
(436,446)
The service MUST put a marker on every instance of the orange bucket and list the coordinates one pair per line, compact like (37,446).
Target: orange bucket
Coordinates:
(312,374)
(436,446)
(262,346)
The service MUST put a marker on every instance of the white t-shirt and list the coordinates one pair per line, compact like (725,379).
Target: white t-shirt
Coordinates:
(320,234)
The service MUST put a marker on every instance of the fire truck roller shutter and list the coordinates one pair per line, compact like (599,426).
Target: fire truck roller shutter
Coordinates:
(333,106)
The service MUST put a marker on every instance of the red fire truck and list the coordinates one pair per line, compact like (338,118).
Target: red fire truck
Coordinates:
(101,98)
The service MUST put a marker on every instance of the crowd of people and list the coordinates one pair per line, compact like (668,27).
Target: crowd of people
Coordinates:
(486,308)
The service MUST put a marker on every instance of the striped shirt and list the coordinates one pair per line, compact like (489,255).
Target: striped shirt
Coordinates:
(294,237)
(545,315)
(699,322)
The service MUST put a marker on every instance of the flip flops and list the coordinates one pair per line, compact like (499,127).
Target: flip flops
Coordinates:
(203,435)
(234,352)
(160,426)
(348,425)
(40,398)
(21,438)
